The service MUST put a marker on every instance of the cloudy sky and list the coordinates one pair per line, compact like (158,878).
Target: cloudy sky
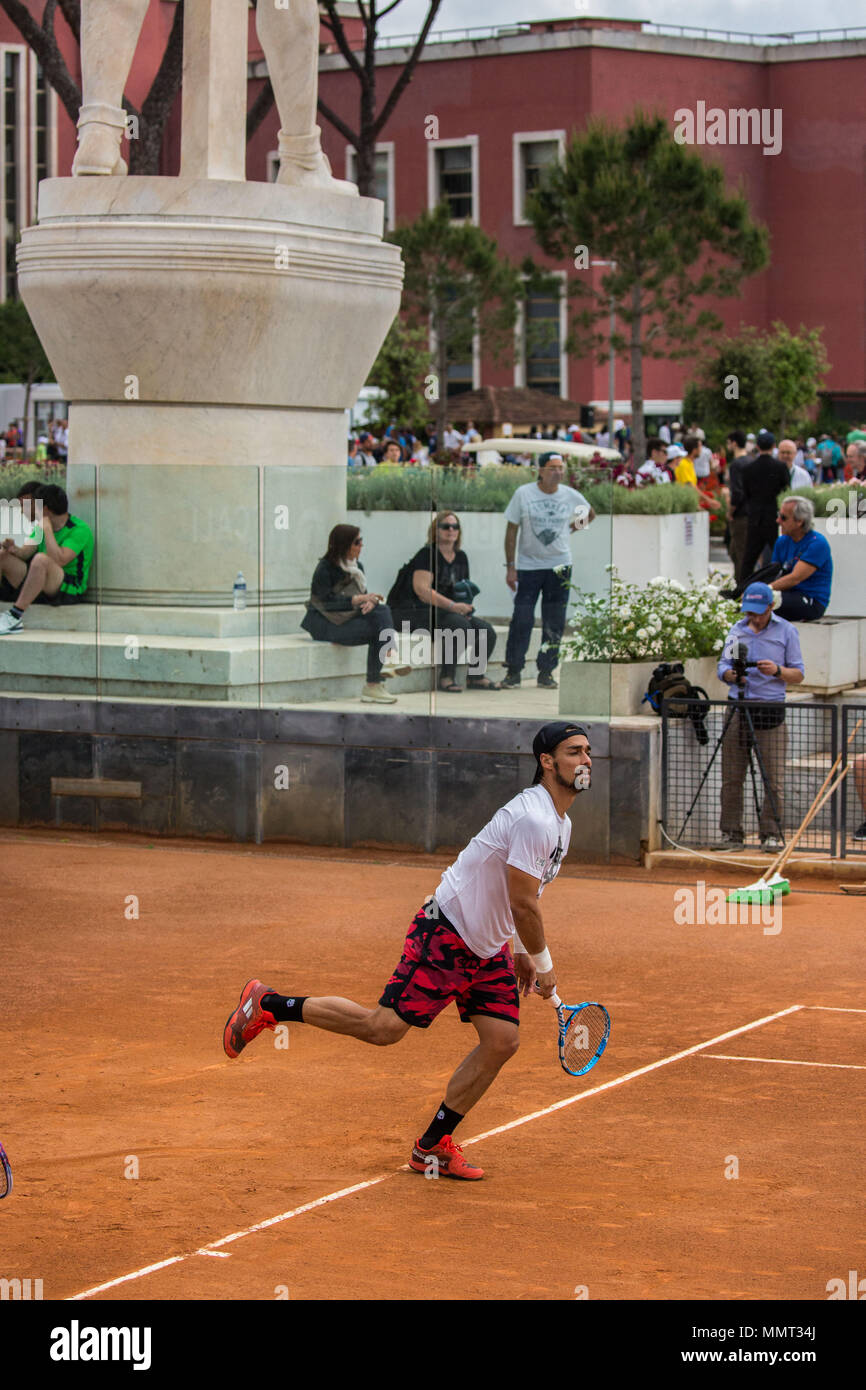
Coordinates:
(751,16)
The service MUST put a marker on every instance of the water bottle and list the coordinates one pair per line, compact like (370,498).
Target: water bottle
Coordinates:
(240,593)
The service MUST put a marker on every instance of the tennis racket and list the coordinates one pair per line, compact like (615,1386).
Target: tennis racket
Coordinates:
(583,1033)
(5,1174)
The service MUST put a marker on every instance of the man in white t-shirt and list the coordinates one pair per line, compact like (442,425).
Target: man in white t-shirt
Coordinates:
(544,513)
(459,947)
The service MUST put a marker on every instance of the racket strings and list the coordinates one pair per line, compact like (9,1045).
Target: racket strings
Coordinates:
(584,1035)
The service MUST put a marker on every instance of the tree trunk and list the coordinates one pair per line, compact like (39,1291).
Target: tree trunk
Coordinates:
(638,428)
(442,381)
(27,390)
(366,156)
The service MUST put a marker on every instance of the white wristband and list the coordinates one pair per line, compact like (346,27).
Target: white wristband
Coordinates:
(543,962)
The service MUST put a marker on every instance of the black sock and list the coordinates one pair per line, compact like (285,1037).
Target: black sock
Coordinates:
(285,1010)
(445,1122)
(16,612)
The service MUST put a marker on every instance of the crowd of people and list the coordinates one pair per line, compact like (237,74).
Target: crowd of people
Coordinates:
(432,592)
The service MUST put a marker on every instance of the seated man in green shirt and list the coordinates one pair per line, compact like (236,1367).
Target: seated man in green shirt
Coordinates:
(53,564)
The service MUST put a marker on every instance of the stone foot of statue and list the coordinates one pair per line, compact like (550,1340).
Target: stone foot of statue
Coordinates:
(100,131)
(303,164)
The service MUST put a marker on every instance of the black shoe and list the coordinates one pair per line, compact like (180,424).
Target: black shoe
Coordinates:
(511,679)
(860,834)
(546,681)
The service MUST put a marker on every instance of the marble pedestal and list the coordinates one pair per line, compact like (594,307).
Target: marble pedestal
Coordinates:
(210,335)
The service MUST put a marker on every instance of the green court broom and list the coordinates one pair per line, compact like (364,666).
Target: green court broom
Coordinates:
(773,884)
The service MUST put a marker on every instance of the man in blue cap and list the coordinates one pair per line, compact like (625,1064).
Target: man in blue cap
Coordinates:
(770,648)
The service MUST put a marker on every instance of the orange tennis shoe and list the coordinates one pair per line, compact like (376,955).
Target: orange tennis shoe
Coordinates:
(248,1019)
(445,1159)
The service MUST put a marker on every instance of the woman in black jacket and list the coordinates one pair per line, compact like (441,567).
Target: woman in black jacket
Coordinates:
(439,573)
(341,610)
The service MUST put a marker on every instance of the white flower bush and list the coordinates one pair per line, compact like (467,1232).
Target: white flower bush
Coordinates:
(660,621)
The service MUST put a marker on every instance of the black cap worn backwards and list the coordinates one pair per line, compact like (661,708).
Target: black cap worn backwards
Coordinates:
(548,739)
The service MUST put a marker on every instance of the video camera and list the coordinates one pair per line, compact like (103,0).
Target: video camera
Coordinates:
(740,660)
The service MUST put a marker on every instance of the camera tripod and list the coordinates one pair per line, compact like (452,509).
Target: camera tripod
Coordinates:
(741,705)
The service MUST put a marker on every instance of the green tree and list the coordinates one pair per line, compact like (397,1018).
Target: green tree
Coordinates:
(662,213)
(22,356)
(400,370)
(457,285)
(756,379)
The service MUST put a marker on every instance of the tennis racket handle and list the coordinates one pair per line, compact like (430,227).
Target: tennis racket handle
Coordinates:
(555,1000)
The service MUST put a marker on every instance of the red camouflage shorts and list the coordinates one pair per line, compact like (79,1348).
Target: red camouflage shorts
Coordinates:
(437,966)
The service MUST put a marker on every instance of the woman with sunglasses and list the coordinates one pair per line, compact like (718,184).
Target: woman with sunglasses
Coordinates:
(437,608)
(340,609)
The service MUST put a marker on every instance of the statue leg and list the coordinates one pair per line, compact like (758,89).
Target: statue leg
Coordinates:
(290,39)
(109,34)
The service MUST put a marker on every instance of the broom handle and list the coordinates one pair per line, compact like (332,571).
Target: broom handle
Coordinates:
(789,849)
(812,811)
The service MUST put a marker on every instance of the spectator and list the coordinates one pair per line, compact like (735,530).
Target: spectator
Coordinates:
(341,610)
(393,454)
(799,476)
(704,460)
(438,572)
(471,434)
(858,433)
(543,513)
(774,646)
(366,456)
(831,458)
(684,471)
(452,439)
(807,574)
(664,432)
(738,521)
(751,445)
(855,461)
(763,479)
(655,470)
(354,459)
(53,569)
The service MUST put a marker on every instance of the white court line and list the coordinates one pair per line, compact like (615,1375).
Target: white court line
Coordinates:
(787,1062)
(834,1009)
(374,1182)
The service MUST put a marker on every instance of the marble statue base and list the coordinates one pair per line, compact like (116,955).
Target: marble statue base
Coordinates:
(210,335)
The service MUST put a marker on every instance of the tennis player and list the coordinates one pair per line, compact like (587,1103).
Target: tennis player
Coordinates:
(458,947)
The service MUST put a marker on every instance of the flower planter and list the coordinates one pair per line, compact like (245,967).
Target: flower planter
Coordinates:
(601,690)
(848,548)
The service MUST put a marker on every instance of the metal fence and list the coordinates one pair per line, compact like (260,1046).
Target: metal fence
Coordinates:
(756,770)
(853,798)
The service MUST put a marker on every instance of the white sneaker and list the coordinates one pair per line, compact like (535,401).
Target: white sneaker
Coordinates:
(389,671)
(377,695)
(9,623)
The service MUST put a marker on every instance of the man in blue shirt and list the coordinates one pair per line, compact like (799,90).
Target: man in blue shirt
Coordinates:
(804,553)
(757,725)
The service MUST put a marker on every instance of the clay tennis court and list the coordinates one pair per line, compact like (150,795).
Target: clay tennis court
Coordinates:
(112,1053)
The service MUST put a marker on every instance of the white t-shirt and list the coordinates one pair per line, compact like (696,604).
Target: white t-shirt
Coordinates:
(527,833)
(800,477)
(544,520)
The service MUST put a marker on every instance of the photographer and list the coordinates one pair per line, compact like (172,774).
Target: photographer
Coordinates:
(761,656)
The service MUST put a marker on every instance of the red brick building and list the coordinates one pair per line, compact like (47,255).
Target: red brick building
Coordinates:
(504,102)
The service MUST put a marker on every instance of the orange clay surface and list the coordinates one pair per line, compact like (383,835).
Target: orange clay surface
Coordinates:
(112,1061)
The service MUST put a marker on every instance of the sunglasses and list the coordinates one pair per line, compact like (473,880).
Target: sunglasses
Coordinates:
(449,526)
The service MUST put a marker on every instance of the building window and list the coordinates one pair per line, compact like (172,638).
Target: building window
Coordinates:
(454,178)
(533,153)
(543,343)
(383,175)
